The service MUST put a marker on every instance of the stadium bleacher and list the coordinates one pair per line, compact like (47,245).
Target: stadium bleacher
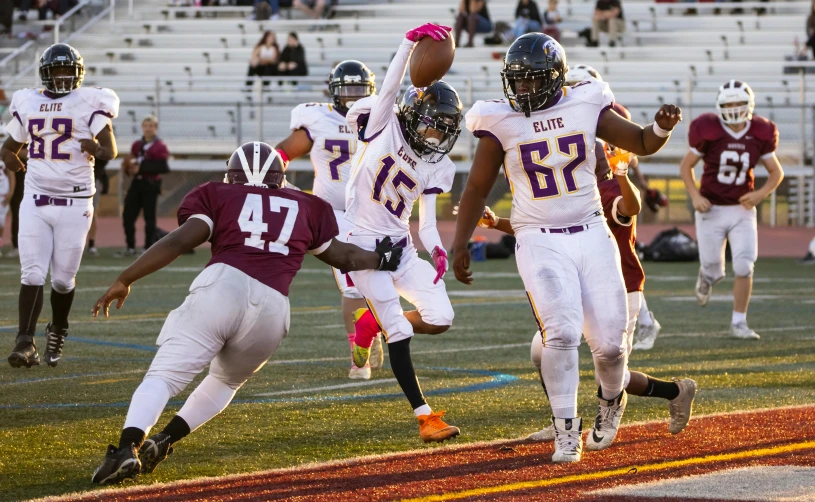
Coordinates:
(188,65)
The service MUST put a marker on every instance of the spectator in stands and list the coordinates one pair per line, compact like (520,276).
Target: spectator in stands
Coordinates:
(552,19)
(527,18)
(100,176)
(264,59)
(146,162)
(293,58)
(6,16)
(811,29)
(312,8)
(608,18)
(474,15)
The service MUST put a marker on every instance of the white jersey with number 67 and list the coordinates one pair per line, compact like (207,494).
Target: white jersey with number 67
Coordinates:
(549,157)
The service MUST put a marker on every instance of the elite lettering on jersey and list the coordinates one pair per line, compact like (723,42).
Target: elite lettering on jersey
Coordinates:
(50,107)
(548,125)
(407,158)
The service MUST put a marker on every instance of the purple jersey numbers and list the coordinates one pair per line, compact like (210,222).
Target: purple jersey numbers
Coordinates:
(340,149)
(542,177)
(63,128)
(400,179)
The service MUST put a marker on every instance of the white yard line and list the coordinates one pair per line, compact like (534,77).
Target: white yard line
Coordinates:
(366,383)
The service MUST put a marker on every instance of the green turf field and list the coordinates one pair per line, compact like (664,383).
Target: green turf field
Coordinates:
(56,422)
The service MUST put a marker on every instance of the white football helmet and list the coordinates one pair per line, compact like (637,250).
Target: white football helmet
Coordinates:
(735,91)
(582,72)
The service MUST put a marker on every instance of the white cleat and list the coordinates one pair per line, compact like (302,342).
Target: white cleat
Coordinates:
(568,439)
(703,289)
(363,373)
(377,353)
(607,422)
(743,332)
(681,406)
(646,335)
(547,434)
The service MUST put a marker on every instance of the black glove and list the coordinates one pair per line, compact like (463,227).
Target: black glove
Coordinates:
(389,255)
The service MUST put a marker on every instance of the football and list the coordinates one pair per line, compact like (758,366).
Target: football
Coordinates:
(431,60)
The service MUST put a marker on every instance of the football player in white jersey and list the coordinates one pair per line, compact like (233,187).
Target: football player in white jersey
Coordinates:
(545,134)
(321,131)
(66,127)
(404,159)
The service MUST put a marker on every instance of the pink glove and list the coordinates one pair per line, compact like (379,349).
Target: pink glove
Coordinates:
(440,259)
(435,31)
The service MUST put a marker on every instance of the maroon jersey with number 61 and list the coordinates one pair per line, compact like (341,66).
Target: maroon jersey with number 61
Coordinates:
(263,232)
(730,157)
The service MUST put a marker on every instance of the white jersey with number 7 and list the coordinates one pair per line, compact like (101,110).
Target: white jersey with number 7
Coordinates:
(549,157)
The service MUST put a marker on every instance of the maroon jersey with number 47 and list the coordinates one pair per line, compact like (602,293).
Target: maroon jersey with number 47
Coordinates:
(730,157)
(264,233)
(625,233)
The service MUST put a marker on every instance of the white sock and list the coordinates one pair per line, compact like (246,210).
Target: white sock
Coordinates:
(739,318)
(645,318)
(423,410)
(561,375)
(147,404)
(207,400)
(611,375)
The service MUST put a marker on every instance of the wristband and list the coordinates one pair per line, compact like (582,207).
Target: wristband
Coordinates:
(662,133)
(285,158)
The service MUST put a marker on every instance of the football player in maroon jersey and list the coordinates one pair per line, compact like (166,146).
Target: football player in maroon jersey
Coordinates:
(237,312)
(621,204)
(731,142)
(647,325)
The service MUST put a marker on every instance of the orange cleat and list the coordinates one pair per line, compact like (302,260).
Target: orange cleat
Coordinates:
(433,428)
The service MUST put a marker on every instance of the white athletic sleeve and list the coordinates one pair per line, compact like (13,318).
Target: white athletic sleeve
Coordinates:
(428,233)
(382,110)
(15,127)
(106,109)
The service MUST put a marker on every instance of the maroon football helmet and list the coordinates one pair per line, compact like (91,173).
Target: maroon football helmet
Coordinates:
(256,164)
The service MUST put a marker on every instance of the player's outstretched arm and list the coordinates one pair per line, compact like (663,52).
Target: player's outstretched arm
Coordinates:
(487,162)
(188,236)
(627,135)
(295,145)
(8,154)
(700,203)
(752,199)
(103,147)
(619,162)
(348,257)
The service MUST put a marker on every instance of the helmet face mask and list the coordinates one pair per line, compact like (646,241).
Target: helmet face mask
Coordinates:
(62,69)
(735,102)
(349,82)
(534,71)
(431,118)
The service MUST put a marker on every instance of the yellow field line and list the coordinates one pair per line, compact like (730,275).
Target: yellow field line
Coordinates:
(588,476)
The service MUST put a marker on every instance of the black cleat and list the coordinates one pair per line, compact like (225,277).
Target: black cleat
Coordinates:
(24,353)
(155,449)
(119,464)
(55,340)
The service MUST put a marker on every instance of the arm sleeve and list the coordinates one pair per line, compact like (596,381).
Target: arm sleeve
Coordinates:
(323,225)
(382,111)
(622,220)
(428,233)
(771,144)
(15,127)
(198,204)
(106,109)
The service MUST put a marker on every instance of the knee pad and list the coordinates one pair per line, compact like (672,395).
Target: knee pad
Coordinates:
(32,278)
(561,336)
(351,292)
(440,315)
(714,272)
(63,287)
(743,267)
(535,350)
(608,352)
